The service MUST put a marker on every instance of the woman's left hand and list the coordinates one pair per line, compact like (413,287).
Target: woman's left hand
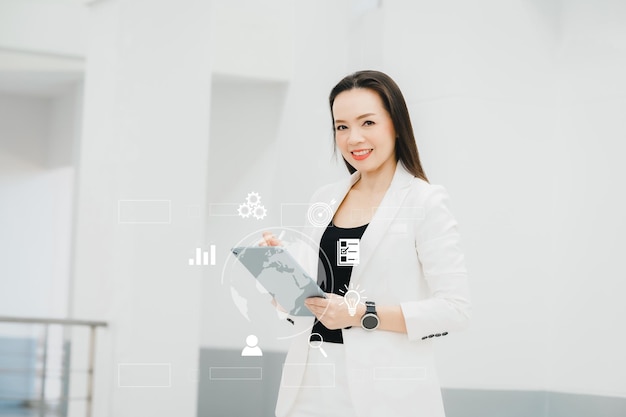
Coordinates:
(333,311)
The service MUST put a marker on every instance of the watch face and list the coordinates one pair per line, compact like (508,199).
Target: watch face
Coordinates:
(370,322)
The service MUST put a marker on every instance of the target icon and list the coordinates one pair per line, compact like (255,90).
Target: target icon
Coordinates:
(320,214)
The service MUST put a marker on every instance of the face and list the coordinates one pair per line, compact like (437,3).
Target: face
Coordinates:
(364,132)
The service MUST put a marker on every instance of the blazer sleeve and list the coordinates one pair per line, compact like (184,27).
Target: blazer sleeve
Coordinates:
(439,251)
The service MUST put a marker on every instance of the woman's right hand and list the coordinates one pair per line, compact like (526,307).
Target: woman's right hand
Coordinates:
(269,240)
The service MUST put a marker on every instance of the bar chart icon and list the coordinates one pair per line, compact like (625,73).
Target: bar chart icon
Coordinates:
(203,257)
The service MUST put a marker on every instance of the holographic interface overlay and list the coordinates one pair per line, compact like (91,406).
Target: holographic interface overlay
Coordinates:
(253,301)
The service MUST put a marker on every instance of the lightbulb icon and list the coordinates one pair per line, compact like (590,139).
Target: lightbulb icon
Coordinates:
(352,299)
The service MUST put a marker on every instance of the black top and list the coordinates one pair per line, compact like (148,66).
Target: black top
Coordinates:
(339,281)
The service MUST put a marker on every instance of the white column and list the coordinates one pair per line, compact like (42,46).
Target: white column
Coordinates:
(479,82)
(143,164)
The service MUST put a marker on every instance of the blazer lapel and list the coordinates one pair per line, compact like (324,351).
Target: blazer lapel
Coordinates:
(333,201)
(378,226)
(384,215)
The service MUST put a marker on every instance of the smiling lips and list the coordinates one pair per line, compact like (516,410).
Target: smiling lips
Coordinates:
(361,154)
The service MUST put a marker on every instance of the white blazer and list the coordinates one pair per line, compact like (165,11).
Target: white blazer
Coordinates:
(410,255)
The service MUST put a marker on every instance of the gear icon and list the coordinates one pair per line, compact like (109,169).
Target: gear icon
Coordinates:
(253,199)
(259,212)
(244,211)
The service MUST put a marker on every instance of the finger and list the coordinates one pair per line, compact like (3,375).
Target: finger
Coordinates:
(265,240)
(314,310)
(316,302)
(313,304)
(319,315)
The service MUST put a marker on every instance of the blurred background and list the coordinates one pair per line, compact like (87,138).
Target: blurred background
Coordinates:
(136,135)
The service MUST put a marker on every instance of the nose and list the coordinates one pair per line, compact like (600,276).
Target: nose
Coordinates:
(355,137)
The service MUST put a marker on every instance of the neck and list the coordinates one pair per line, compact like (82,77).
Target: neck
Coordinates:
(377,181)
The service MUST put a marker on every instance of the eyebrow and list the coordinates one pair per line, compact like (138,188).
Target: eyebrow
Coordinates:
(358,118)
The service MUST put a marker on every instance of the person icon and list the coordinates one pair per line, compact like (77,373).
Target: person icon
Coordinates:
(252,349)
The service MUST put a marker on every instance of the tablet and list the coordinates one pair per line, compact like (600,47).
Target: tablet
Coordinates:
(281,276)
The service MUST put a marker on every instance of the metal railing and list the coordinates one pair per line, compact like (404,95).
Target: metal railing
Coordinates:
(44,371)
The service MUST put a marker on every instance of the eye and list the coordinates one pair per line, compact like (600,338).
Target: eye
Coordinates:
(341,127)
(368,123)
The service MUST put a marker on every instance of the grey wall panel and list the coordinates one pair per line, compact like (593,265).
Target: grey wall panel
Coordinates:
(231,385)
(491,403)
(234,386)
(494,403)
(574,405)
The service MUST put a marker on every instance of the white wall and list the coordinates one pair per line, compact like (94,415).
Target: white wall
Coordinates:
(273,138)
(253,39)
(43,26)
(24,125)
(36,197)
(479,83)
(41,44)
(65,126)
(245,119)
(517,108)
(145,137)
(37,135)
(587,306)
(41,49)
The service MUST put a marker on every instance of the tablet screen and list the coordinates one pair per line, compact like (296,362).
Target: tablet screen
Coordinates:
(281,275)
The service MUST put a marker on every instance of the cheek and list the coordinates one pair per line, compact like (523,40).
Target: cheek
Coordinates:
(341,142)
(392,140)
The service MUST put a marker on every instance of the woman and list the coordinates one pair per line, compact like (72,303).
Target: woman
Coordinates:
(378,360)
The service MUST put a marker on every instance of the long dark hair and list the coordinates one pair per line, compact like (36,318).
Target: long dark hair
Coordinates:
(393,100)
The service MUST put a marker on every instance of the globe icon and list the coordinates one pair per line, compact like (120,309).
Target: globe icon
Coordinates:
(253,302)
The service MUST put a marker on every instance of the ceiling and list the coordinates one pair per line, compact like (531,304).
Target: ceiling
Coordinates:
(38,74)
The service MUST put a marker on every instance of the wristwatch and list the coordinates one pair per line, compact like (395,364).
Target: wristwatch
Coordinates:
(369,321)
